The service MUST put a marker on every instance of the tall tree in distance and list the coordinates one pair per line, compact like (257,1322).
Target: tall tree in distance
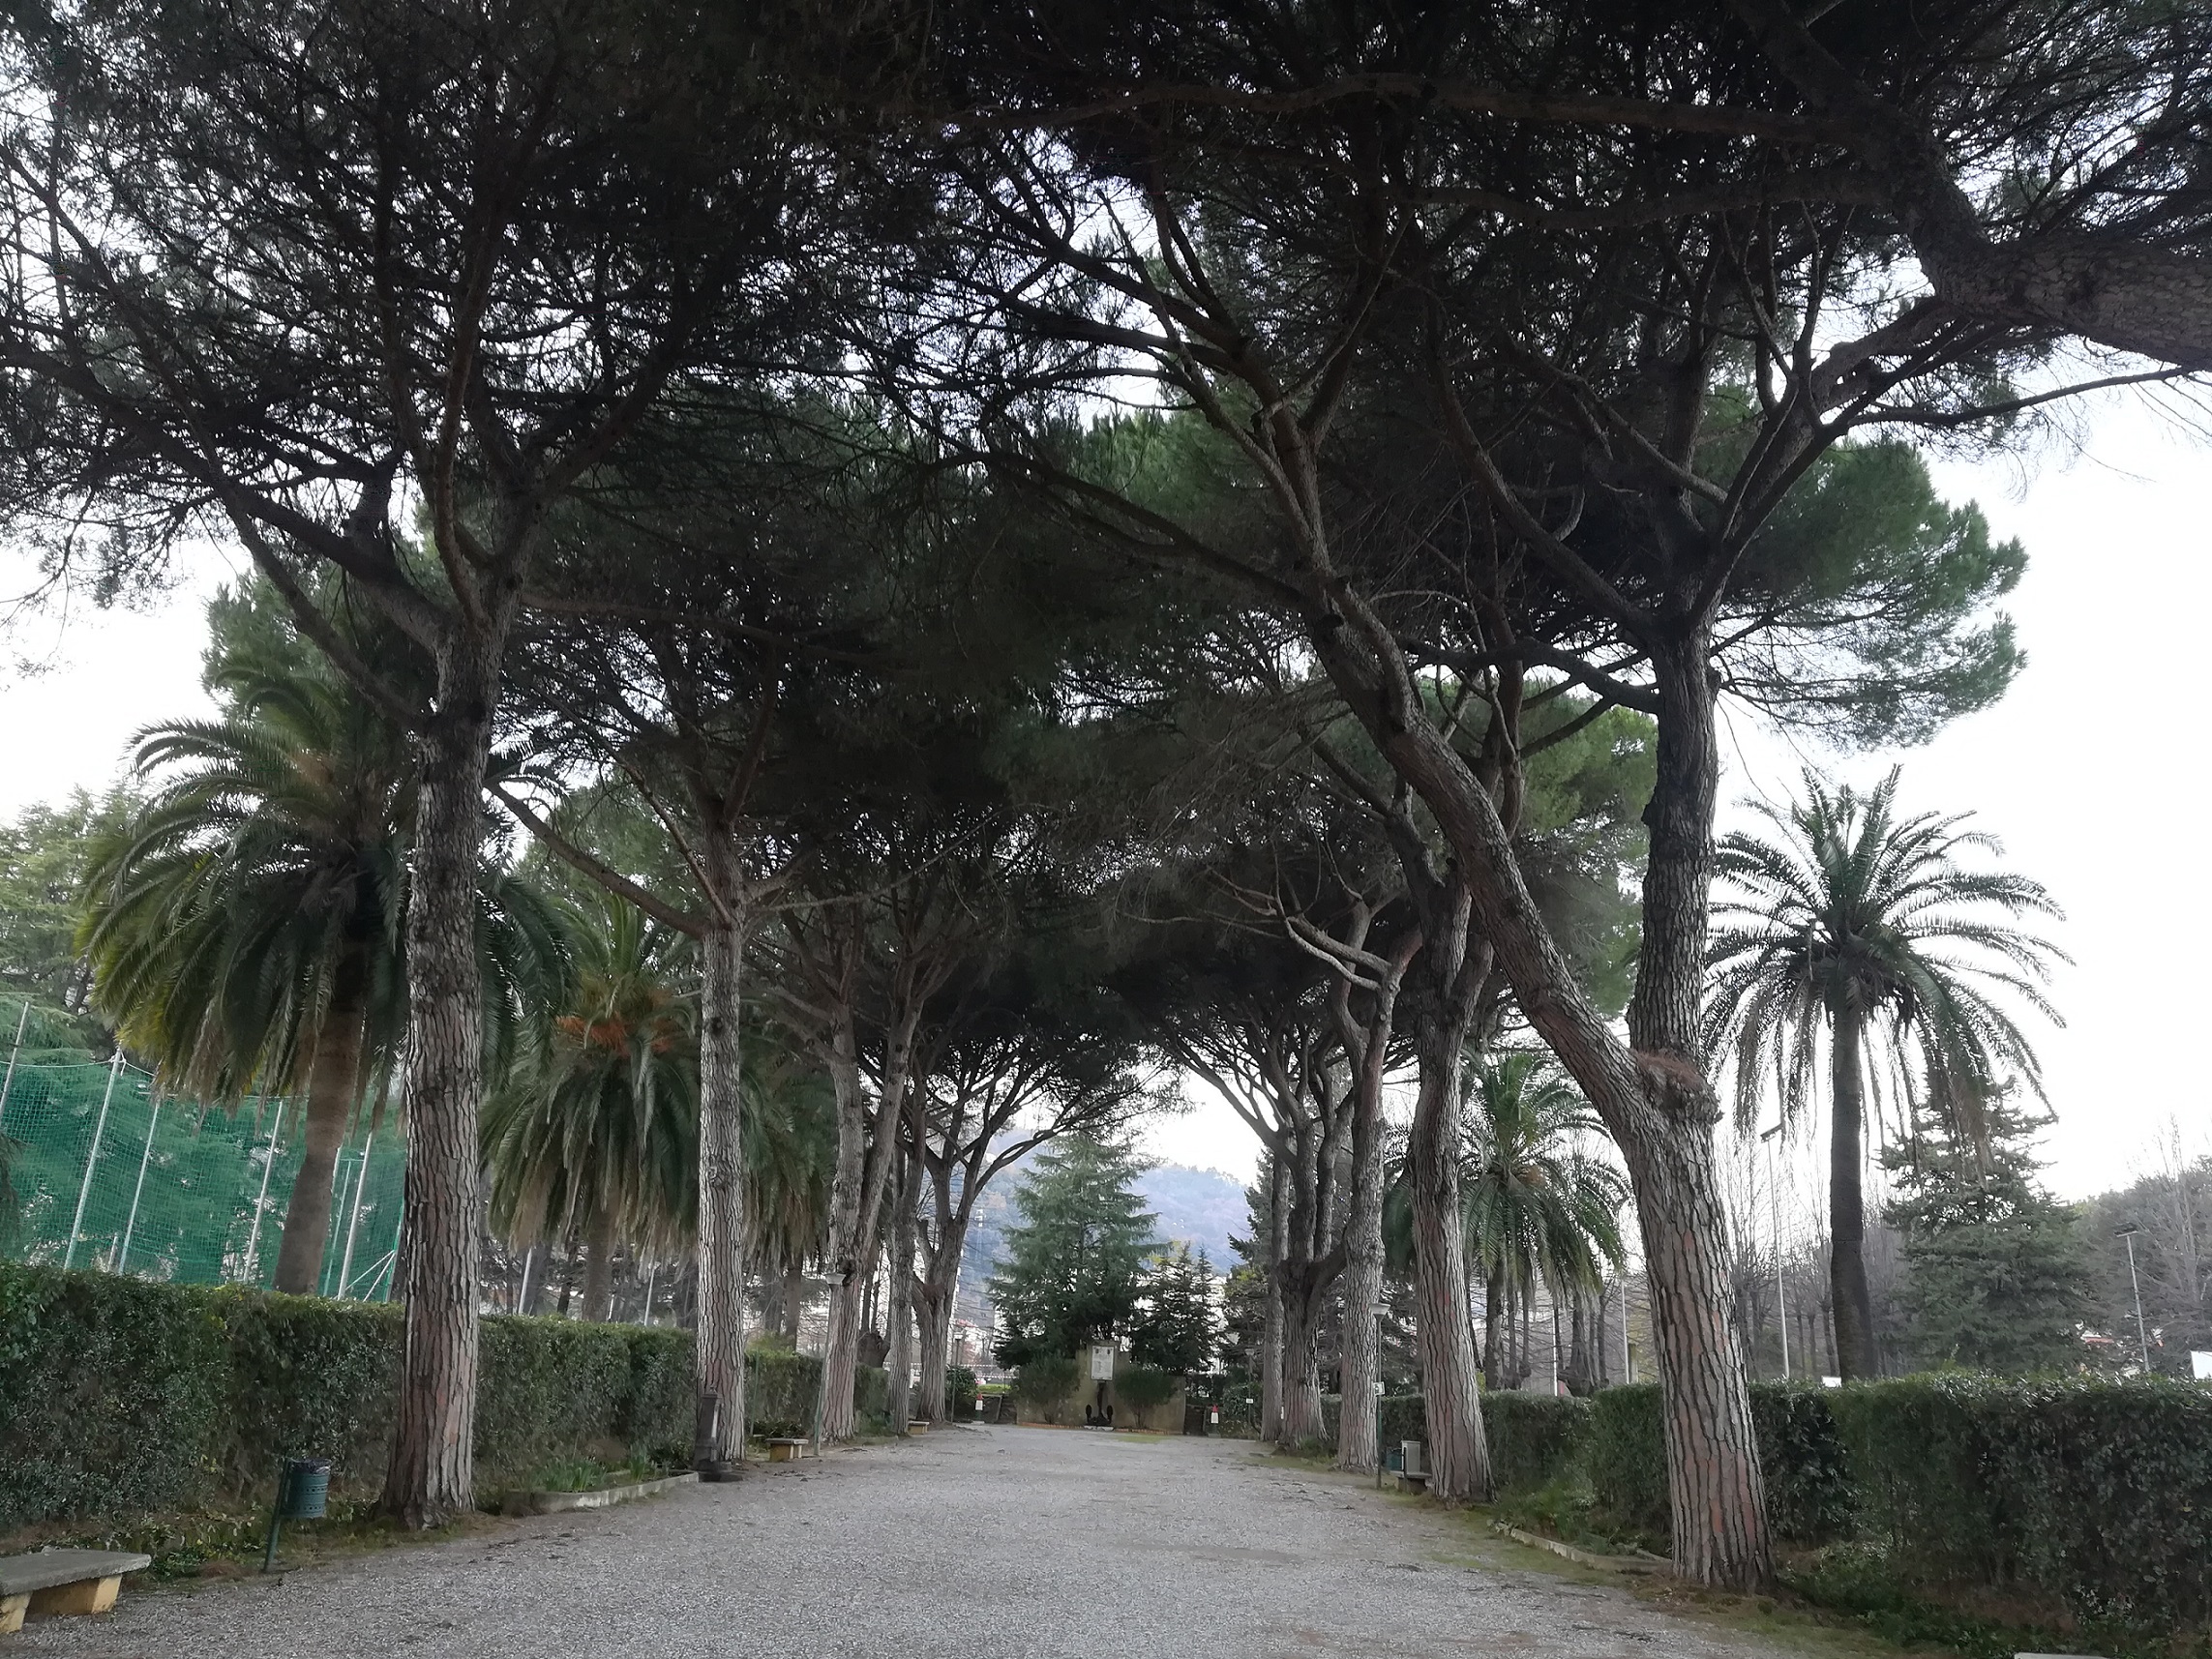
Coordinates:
(1178,1329)
(1997,1271)
(1074,1269)
(1847,929)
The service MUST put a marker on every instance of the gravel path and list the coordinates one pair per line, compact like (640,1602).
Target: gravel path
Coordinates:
(976,1543)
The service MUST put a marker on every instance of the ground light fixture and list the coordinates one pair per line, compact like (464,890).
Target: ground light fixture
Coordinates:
(303,1494)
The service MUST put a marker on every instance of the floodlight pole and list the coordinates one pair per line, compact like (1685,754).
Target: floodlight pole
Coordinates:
(123,1250)
(1773,1191)
(261,1202)
(353,1227)
(99,1128)
(2142,1331)
(8,1082)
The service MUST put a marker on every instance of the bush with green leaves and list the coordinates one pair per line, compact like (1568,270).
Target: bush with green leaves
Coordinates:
(959,1392)
(126,1397)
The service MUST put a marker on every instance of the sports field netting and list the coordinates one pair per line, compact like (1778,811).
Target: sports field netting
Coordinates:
(108,1176)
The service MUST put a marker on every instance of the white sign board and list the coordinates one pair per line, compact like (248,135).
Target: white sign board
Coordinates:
(1102,1362)
(2200,1365)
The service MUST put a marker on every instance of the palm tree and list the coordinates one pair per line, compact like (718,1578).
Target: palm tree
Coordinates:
(243,924)
(791,1157)
(594,1135)
(1849,929)
(1535,1205)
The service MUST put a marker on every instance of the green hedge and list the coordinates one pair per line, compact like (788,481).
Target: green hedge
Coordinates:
(2098,1492)
(1533,1441)
(125,1396)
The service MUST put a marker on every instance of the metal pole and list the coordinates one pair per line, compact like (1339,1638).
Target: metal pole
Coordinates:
(2142,1331)
(99,1128)
(1628,1353)
(262,1202)
(8,1082)
(123,1250)
(338,1206)
(523,1297)
(651,1271)
(353,1227)
(1773,1191)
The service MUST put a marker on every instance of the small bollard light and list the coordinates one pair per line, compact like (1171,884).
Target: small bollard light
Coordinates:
(303,1494)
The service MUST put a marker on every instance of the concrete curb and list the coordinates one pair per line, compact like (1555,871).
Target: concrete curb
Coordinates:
(606,1496)
(1583,1557)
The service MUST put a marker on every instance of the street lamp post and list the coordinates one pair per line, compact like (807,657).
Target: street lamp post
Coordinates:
(1773,1191)
(2142,1331)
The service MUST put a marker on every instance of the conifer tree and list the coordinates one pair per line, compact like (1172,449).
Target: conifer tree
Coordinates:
(1997,1268)
(1179,1330)
(1074,1268)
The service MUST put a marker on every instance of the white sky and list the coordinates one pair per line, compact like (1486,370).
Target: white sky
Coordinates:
(2084,770)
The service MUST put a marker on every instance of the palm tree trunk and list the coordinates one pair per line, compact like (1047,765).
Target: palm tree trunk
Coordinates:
(1493,1315)
(1854,1355)
(794,1300)
(334,1079)
(599,1266)
(720,1352)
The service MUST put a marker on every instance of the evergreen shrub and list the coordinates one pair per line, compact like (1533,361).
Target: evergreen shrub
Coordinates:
(122,1396)
(959,1393)
(1534,1439)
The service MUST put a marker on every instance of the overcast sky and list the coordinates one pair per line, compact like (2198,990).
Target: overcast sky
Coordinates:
(2086,770)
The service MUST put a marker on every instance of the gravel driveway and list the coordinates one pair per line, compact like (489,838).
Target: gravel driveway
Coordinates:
(979,1543)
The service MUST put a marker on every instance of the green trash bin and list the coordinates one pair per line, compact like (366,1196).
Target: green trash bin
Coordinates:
(303,1494)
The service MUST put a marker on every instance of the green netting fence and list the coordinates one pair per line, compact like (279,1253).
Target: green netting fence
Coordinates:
(106,1173)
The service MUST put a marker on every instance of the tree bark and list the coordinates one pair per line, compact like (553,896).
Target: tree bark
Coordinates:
(1855,1357)
(856,1203)
(1271,1332)
(334,1080)
(935,1293)
(599,1266)
(794,1301)
(1303,1422)
(719,1348)
(1356,1432)
(1458,1453)
(898,1294)
(432,1475)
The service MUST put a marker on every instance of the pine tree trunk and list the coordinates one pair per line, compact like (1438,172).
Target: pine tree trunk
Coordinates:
(599,1266)
(898,1293)
(1855,1357)
(1303,1422)
(432,1475)
(855,1206)
(719,1352)
(1271,1332)
(1356,1432)
(1458,1455)
(1653,1094)
(334,1080)
(941,1281)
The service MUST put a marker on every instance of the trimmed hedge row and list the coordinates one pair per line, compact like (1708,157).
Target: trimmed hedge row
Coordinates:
(2098,1493)
(120,1395)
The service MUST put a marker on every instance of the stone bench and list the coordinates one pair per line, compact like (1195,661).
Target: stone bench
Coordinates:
(783,1449)
(62,1580)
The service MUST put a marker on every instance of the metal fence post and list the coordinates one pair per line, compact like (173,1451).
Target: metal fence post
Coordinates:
(353,1227)
(261,1202)
(84,1187)
(123,1250)
(8,1082)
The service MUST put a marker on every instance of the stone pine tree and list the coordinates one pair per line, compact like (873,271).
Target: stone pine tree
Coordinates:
(1074,1272)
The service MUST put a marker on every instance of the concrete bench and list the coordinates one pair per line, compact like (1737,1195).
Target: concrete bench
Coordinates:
(783,1450)
(63,1580)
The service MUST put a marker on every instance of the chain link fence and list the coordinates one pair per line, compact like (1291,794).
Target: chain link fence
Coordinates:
(106,1173)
